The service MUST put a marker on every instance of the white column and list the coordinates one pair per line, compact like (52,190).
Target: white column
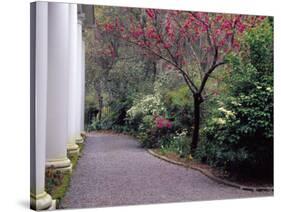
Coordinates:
(79,139)
(83,87)
(72,147)
(58,85)
(39,41)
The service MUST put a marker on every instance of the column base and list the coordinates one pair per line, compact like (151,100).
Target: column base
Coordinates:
(79,139)
(42,201)
(72,149)
(53,206)
(63,164)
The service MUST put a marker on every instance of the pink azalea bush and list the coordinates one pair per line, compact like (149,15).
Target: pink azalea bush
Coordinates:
(162,122)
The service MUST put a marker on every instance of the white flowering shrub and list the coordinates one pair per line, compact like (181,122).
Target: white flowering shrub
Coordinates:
(148,105)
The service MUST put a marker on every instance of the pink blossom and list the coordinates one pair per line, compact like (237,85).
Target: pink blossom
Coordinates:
(169,125)
(163,123)
(108,27)
(150,13)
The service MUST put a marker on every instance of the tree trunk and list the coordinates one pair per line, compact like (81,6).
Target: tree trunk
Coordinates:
(154,71)
(196,122)
(100,99)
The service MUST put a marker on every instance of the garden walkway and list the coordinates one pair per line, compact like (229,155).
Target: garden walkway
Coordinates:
(115,170)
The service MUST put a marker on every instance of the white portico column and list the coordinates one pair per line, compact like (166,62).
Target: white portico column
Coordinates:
(58,86)
(79,139)
(39,199)
(72,147)
(83,88)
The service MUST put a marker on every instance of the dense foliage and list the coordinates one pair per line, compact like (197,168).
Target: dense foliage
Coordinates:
(170,77)
(194,44)
(239,135)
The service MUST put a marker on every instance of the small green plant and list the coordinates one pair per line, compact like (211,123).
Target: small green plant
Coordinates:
(54,178)
(178,143)
(56,183)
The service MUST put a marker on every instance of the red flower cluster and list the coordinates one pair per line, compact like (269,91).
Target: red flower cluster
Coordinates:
(109,27)
(150,13)
(163,123)
(172,34)
(151,33)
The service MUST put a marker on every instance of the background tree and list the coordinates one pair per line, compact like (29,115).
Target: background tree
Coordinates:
(193,43)
(114,72)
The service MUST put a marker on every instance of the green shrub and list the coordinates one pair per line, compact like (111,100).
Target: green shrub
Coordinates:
(178,143)
(153,137)
(239,135)
(179,104)
(104,124)
(149,138)
(148,105)
(141,119)
(120,128)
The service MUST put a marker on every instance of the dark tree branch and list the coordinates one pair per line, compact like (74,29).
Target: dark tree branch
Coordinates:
(207,75)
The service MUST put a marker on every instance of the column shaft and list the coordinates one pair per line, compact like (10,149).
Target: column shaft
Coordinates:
(72,147)
(79,139)
(39,41)
(58,86)
(82,87)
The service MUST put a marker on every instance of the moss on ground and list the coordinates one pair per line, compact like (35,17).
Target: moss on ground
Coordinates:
(59,191)
(57,183)
(81,146)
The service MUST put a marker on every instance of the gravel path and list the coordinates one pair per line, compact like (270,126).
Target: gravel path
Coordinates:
(115,170)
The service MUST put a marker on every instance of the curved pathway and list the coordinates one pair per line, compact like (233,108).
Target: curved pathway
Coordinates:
(115,170)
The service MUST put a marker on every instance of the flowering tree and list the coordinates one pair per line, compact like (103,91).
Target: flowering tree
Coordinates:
(194,44)
(101,55)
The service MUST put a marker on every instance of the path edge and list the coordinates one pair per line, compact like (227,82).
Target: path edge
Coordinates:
(210,175)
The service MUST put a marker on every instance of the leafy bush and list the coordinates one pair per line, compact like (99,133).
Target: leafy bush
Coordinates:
(156,117)
(179,105)
(141,117)
(149,138)
(148,105)
(239,136)
(121,128)
(104,124)
(113,118)
(178,143)
(155,131)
